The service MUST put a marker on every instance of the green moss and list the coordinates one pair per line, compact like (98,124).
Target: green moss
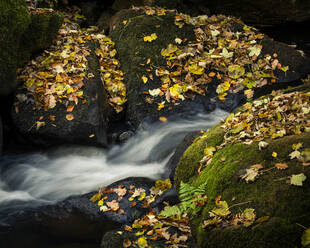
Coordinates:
(286,204)
(14,20)
(42,31)
(20,36)
(189,162)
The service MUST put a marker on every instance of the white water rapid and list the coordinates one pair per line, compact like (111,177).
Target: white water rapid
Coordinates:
(56,174)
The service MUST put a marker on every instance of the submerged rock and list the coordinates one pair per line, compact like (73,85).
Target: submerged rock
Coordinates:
(181,70)
(275,200)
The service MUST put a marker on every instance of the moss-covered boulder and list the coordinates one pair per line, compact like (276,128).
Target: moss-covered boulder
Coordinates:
(223,159)
(183,67)
(14,22)
(21,34)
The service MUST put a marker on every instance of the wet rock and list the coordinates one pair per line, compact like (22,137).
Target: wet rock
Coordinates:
(125,136)
(75,219)
(1,135)
(89,123)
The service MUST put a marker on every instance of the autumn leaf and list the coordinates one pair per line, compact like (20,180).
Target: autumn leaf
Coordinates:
(150,38)
(69,117)
(142,242)
(221,209)
(305,238)
(262,145)
(178,40)
(295,154)
(274,154)
(281,166)
(155,92)
(297,179)
(254,51)
(257,166)
(163,119)
(297,146)
(226,54)
(250,175)
(144,79)
(96,197)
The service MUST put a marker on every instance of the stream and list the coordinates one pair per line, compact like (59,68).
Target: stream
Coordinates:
(52,175)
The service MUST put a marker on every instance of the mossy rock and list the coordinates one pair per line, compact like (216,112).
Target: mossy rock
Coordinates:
(14,21)
(270,194)
(21,35)
(129,27)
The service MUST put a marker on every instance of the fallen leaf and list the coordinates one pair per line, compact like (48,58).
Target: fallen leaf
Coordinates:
(69,117)
(142,243)
(144,79)
(163,119)
(297,179)
(281,166)
(70,108)
(262,145)
(297,146)
(295,154)
(305,238)
(250,175)
(150,38)
(257,166)
(40,124)
(178,40)
(274,154)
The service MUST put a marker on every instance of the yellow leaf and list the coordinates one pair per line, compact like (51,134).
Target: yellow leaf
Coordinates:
(150,38)
(274,154)
(163,119)
(160,106)
(69,117)
(195,69)
(144,79)
(142,243)
(125,22)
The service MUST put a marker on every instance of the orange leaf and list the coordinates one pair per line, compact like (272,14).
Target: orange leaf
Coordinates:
(257,166)
(281,166)
(70,108)
(52,117)
(163,119)
(133,204)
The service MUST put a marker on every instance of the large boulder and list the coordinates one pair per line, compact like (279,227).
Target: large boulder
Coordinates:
(276,151)
(177,79)
(75,220)
(265,12)
(21,34)
(89,122)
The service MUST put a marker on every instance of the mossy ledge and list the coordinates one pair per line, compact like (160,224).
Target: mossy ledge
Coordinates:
(270,195)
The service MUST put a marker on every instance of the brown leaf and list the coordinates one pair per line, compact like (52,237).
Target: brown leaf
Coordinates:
(281,166)
(257,166)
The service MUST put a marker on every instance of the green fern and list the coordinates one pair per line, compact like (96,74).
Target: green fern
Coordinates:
(190,196)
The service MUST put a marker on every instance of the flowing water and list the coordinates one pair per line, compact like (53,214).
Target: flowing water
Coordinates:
(49,176)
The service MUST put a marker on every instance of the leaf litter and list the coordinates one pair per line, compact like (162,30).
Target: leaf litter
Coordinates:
(58,76)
